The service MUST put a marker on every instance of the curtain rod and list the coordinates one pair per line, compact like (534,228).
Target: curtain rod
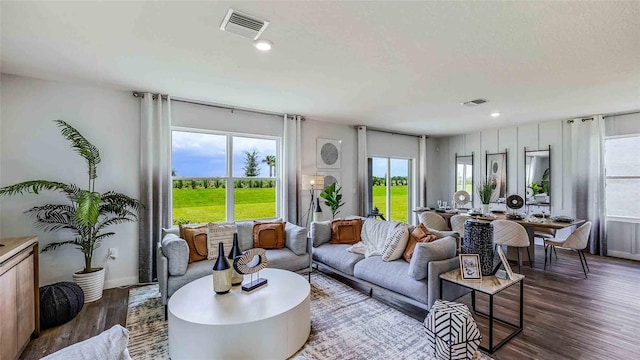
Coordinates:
(390,131)
(571,121)
(218,106)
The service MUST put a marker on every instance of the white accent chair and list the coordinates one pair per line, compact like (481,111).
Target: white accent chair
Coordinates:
(433,221)
(510,233)
(457,225)
(577,242)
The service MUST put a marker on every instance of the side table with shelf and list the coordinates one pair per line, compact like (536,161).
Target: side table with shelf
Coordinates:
(490,285)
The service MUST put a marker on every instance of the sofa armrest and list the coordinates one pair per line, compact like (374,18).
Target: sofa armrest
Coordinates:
(110,344)
(176,251)
(295,238)
(433,280)
(162,268)
(320,232)
(424,253)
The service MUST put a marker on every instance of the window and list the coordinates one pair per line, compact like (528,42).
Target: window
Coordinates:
(390,188)
(622,168)
(223,177)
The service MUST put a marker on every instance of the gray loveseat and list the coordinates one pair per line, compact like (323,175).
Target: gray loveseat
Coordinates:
(416,282)
(174,271)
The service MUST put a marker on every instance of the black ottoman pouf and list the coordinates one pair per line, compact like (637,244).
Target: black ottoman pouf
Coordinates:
(59,303)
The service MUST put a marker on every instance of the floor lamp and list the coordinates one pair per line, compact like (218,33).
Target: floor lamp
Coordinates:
(313,183)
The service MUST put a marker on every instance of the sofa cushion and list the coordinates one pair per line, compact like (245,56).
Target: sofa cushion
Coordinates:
(375,235)
(219,232)
(424,253)
(196,239)
(397,239)
(345,231)
(195,271)
(392,275)
(245,235)
(295,238)
(110,344)
(177,252)
(418,235)
(268,235)
(286,259)
(320,232)
(337,257)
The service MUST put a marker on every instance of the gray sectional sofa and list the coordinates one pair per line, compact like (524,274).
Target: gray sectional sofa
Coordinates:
(416,282)
(174,271)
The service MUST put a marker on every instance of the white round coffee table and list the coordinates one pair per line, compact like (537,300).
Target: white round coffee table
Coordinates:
(272,322)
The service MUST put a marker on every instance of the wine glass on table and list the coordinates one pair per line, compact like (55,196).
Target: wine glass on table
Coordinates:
(439,204)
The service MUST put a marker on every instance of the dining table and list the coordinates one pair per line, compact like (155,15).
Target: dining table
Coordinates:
(531,226)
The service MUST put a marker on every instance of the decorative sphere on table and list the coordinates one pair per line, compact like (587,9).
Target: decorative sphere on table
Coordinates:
(222,272)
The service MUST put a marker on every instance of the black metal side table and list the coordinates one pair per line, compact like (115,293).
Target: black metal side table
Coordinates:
(491,286)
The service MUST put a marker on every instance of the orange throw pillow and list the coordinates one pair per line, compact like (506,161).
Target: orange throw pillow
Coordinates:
(419,234)
(196,238)
(345,231)
(268,235)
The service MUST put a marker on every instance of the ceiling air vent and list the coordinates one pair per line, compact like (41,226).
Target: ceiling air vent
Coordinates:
(475,102)
(244,25)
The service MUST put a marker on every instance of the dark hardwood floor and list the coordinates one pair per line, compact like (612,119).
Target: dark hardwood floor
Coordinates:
(566,316)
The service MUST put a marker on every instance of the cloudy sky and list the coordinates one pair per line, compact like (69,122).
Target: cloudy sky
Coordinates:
(199,154)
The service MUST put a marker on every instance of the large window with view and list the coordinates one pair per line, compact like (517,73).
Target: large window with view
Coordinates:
(223,177)
(622,170)
(390,187)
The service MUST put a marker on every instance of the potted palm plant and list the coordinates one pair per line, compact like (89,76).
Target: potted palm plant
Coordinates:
(485,189)
(86,216)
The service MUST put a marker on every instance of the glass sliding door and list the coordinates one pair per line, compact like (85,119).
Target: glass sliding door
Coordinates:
(390,187)
(399,198)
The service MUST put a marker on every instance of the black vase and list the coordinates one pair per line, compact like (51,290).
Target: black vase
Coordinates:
(221,272)
(236,278)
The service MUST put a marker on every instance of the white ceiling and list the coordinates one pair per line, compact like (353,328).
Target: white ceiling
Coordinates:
(404,66)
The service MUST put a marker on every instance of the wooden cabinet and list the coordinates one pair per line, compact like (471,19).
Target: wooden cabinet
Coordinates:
(19,308)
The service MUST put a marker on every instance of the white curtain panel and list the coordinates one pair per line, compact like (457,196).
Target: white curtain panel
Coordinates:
(363,176)
(587,151)
(422,172)
(291,168)
(155,179)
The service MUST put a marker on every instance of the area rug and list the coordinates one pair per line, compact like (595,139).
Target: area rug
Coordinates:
(345,324)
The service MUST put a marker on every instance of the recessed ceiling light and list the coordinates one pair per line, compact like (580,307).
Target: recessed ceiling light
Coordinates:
(495,114)
(263,45)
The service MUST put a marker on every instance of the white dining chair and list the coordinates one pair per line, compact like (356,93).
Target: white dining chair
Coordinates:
(457,224)
(433,221)
(577,241)
(510,233)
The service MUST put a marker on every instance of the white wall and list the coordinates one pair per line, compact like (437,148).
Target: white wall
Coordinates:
(31,147)
(514,139)
(346,175)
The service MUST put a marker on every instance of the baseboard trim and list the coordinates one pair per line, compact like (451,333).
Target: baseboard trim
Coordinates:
(111,283)
(624,255)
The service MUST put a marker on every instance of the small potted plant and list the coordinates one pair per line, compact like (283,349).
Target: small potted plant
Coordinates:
(86,216)
(332,198)
(485,189)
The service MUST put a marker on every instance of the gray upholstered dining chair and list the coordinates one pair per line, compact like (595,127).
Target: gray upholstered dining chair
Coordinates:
(509,233)
(577,242)
(433,221)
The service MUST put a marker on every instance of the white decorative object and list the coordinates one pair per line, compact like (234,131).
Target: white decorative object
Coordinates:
(91,284)
(485,208)
(272,324)
(219,232)
(451,331)
(329,154)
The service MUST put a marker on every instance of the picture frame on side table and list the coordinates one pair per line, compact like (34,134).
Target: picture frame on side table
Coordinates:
(470,267)
(329,154)
(505,263)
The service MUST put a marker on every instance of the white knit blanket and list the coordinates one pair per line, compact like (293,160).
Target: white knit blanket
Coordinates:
(374,236)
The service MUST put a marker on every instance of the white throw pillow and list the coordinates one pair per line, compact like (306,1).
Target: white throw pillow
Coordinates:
(397,240)
(218,232)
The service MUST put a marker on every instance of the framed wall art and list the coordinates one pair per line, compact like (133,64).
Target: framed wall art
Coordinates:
(329,154)
(497,175)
